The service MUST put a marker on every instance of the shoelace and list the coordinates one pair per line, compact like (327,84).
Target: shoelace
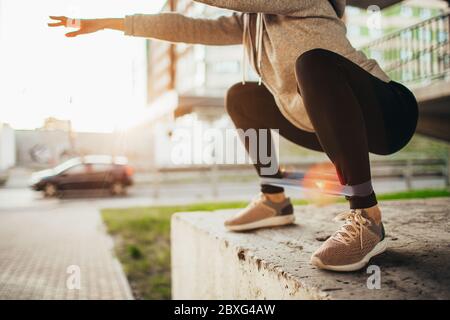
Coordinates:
(259,197)
(353,227)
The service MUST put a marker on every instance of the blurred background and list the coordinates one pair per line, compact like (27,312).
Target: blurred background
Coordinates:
(91,123)
(113,95)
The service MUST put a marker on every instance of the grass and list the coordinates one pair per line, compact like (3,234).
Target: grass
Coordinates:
(142,237)
(415,194)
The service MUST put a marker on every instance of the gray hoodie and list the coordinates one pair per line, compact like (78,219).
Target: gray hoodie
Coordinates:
(274,33)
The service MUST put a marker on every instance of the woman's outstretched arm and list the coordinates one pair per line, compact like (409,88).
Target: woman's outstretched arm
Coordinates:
(86,26)
(174,27)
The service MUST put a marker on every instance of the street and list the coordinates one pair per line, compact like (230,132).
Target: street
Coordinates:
(58,248)
(16,194)
(54,251)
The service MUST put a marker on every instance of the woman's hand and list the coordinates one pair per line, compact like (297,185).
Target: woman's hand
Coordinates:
(86,26)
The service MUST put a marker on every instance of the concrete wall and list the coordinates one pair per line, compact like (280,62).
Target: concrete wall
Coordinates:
(207,265)
(43,148)
(7,147)
(209,262)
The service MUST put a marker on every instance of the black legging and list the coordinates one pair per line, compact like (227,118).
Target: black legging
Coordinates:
(353,113)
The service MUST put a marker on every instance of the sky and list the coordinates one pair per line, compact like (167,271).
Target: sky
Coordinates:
(97,81)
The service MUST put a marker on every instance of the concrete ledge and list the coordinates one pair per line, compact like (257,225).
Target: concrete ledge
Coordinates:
(433,91)
(209,262)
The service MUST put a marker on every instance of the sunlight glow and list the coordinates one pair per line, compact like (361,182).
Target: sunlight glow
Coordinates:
(97,81)
(319,180)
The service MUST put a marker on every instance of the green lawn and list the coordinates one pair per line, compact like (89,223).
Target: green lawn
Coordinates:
(143,245)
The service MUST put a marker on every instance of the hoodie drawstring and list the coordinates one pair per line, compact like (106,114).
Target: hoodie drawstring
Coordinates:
(244,45)
(259,44)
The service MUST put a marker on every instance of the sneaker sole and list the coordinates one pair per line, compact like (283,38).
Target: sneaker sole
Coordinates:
(264,223)
(378,249)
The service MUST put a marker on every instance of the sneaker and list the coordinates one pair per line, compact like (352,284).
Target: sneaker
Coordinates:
(261,213)
(351,247)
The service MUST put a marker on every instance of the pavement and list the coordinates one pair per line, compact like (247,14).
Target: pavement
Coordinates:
(58,253)
(47,245)
(209,262)
(51,249)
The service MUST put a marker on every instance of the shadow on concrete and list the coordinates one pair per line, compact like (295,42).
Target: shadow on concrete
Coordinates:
(419,268)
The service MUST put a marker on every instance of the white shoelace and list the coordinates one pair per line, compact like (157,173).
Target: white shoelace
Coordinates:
(353,227)
(257,199)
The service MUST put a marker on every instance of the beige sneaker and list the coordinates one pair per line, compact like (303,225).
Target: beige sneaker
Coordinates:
(351,247)
(261,213)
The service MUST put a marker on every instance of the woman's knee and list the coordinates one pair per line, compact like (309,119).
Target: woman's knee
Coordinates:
(236,99)
(231,98)
(314,64)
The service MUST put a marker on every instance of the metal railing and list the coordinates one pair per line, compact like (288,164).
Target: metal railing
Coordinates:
(415,55)
(408,170)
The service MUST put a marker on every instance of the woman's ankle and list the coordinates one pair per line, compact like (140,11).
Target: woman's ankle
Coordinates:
(275,197)
(374,213)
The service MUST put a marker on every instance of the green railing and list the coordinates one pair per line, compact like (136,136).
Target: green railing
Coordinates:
(415,55)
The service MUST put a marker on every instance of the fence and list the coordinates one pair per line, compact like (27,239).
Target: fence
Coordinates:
(415,55)
(407,169)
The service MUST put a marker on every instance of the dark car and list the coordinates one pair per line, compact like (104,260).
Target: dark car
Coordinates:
(88,172)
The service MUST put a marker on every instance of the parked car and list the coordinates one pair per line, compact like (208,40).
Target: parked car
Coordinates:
(88,172)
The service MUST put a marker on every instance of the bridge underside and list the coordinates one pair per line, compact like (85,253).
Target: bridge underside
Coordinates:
(434,119)
(365,3)
(434,126)
(434,110)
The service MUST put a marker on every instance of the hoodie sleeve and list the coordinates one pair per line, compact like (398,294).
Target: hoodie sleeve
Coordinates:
(261,6)
(174,27)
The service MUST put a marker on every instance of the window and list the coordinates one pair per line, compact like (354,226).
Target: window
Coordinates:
(77,169)
(66,165)
(225,66)
(406,11)
(100,167)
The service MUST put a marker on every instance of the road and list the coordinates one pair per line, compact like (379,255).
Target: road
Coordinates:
(58,248)
(16,193)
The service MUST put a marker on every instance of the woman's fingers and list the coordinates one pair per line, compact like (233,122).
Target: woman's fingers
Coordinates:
(74,34)
(59,18)
(83,26)
(56,24)
(61,21)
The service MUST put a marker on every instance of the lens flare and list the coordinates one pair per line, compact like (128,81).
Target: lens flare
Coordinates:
(320,182)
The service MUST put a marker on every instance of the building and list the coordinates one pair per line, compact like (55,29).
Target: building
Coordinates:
(196,74)
(187,83)
(52,123)
(410,39)
(365,25)
(7,151)
(55,142)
